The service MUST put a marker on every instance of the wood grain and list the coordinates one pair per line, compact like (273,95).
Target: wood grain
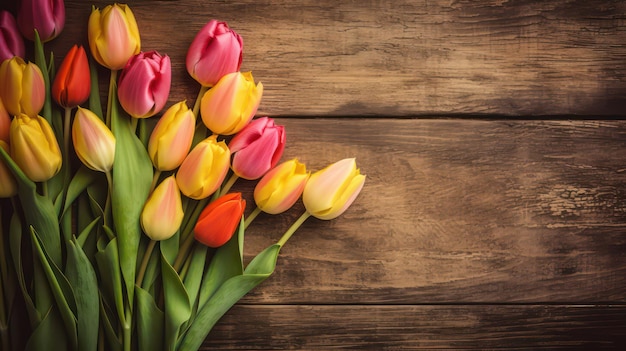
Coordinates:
(324,57)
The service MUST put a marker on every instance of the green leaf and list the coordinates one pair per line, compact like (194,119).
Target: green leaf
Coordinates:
(114,342)
(61,290)
(193,278)
(48,333)
(169,247)
(132,177)
(40,61)
(84,282)
(177,306)
(108,266)
(40,214)
(149,322)
(94,97)
(81,180)
(227,295)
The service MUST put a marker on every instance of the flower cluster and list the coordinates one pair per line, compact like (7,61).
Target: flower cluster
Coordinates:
(118,227)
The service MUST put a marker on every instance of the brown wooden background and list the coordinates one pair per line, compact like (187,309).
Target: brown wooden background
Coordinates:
(492,135)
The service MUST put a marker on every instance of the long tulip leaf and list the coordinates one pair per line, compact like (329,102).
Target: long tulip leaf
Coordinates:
(15,244)
(149,322)
(82,277)
(47,333)
(114,342)
(177,305)
(108,266)
(81,180)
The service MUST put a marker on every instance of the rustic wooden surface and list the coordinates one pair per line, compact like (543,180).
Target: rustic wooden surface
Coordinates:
(491,132)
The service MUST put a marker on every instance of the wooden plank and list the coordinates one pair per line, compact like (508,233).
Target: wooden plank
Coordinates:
(324,57)
(477,327)
(457,211)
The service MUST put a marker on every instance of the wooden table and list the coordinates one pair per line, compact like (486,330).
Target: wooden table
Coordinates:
(492,136)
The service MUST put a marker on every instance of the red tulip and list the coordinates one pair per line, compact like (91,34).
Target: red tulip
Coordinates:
(219,219)
(72,83)
(214,52)
(257,148)
(11,43)
(144,84)
(45,16)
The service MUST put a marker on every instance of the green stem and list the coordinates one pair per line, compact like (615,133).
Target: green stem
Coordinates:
(112,82)
(251,217)
(155,179)
(293,228)
(196,106)
(107,203)
(229,184)
(144,263)
(133,124)
(183,251)
(127,331)
(66,135)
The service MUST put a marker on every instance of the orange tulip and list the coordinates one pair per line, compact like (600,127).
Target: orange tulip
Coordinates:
(219,219)
(72,83)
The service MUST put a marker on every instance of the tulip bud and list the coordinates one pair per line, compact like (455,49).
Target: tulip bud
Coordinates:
(94,142)
(231,103)
(257,148)
(171,138)
(162,214)
(281,187)
(11,43)
(34,147)
(144,84)
(218,221)
(214,52)
(204,169)
(113,35)
(45,16)
(330,191)
(72,83)
(5,123)
(22,88)
(8,186)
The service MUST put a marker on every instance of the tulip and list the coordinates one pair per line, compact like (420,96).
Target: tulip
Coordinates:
(162,214)
(113,35)
(218,221)
(5,123)
(171,138)
(72,83)
(11,43)
(93,141)
(330,191)
(8,186)
(45,16)
(204,169)
(34,147)
(257,148)
(22,88)
(231,103)
(144,84)
(281,187)
(214,52)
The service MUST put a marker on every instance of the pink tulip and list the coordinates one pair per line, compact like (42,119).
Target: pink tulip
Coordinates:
(144,84)
(45,16)
(257,148)
(214,52)
(11,43)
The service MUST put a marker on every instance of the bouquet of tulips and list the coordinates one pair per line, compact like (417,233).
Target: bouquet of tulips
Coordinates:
(118,230)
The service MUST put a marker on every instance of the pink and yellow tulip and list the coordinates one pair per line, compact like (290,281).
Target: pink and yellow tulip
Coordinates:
(113,36)
(22,87)
(45,16)
(11,43)
(72,83)
(93,141)
(215,51)
(144,84)
(204,169)
(218,221)
(34,147)
(231,103)
(281,187)
(162,214)
(257,148)
(330,191)
(171,138)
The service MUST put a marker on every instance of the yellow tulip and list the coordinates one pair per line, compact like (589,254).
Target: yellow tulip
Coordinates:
(231,103)
(5,123)
(93,141)
(330,191)
(8,186)
(162,214)
(22,88)
(171,138)
(204,169)
(281,187)
(113,35)
(34,147)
